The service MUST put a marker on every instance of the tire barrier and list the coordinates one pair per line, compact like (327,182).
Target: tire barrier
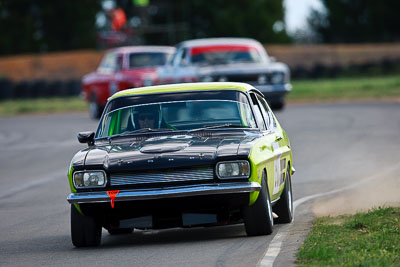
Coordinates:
(6,89)
(38,88)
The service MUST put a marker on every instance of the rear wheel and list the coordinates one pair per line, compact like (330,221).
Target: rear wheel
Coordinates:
(258,218)
(284,207)
(85,230)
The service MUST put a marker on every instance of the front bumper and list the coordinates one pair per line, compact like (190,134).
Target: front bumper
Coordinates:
(166,192)
(274,90)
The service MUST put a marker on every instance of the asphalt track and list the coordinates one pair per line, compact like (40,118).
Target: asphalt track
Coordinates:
(335,146)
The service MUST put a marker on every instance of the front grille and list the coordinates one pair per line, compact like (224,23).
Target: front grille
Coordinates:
(162,176)
(241,77)
(247,78)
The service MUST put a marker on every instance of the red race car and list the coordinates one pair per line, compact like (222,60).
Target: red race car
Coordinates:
(120,69)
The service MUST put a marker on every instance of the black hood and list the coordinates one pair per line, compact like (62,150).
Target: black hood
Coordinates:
(169,152)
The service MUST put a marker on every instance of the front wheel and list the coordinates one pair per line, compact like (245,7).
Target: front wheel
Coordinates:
(258,218)
(284,207)
(85,230)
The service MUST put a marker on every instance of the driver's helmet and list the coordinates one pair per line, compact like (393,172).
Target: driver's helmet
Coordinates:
(147,112)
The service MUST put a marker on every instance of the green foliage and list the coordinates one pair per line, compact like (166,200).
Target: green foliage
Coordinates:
(364,239)
(46,25)
(238,18)
(353,21)
(178,20)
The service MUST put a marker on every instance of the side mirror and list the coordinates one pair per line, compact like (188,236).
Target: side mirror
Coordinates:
(272,59)
(86,137)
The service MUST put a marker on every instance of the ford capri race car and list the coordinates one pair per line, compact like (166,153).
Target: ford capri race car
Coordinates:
(228,60)
(181,155)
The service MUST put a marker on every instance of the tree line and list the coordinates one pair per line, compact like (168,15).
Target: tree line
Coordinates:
(44,25)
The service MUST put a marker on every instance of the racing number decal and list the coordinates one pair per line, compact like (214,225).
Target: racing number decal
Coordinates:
(277,167)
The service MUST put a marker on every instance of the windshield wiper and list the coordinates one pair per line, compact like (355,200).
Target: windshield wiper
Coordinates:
(142,130)
(226,125)
(147,130)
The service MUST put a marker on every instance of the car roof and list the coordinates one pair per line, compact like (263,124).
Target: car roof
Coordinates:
(143,48)
(219,41)
(184,87)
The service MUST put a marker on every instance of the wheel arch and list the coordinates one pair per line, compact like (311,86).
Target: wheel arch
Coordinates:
(254,195)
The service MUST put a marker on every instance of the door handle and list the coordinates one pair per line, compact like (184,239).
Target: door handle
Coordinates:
(278,138)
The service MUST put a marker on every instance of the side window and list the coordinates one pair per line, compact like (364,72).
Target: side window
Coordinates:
(179,57)
(108,64)
(119,62)
(272,122)
(184,57)
(257,112)
(264,111)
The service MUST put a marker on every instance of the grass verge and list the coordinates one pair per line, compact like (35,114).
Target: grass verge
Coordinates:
(351,88)
(363,239)
(42,105)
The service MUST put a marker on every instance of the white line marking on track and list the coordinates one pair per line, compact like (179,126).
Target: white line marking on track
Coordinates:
(39,145)
(34,182)
(275,246)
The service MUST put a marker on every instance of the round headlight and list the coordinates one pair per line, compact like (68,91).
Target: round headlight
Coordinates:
(207,78)
(86,177)
(147,81)
(277,78)
(78,179)
(262,79)
(222,79)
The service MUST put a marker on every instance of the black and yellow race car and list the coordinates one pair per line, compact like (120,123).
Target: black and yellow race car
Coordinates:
(181,155)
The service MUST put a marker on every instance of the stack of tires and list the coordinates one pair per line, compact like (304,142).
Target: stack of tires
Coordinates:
(38,89)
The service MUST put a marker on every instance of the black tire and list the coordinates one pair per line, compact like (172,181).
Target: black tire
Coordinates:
(284,207)
(120,231)
(85,230)
(258,218)
(95,109)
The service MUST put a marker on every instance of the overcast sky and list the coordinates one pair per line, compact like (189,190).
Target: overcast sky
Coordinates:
(297,12)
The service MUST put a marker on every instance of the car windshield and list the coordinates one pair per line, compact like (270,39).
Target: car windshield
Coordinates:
(145,60)
(224,54)
(177,115)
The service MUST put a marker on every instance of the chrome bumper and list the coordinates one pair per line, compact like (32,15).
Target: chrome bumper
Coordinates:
(276,88)
(166,192)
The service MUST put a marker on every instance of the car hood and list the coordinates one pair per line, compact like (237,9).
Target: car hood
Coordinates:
(242,68)
(169,152)
(139,72)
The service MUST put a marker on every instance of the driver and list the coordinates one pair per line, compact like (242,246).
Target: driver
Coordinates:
(147,116)
(146,120)
(150,116)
